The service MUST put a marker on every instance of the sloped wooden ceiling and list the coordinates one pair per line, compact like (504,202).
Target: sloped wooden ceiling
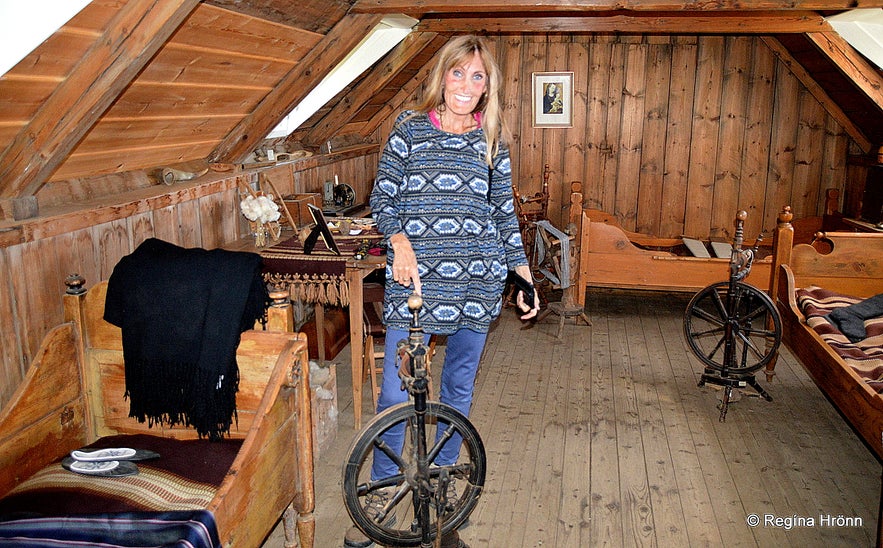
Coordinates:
(133,86)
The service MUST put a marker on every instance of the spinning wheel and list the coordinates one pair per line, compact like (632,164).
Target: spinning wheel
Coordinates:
(736,331)
(733,327)
(424,506)
(416,503)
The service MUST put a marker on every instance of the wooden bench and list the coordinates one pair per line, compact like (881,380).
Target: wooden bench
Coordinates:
(73,394)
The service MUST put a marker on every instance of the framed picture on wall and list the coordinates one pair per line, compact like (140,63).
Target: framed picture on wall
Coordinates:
(552,99)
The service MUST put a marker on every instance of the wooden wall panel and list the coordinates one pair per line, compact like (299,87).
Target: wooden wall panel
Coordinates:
(610,144)
(706,128)
(553,144)
(652,153)
(517,84)
(785,116)
(678,135)
(728,166)
(755,152)
(673,134)
(575,138)
(809,156)
(530,154)
(631,135)
(596,148)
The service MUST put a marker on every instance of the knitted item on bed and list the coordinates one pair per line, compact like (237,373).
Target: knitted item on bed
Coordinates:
(850,320)
(181,312)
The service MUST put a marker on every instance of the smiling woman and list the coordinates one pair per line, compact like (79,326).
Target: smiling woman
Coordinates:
(443,201)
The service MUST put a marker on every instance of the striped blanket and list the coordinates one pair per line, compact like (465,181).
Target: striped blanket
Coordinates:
(163,505)
(182,529)
(865,356)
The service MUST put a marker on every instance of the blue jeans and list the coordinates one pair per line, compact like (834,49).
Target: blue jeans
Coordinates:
(462,353)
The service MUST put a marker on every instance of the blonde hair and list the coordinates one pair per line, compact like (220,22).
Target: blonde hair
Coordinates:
(455,52)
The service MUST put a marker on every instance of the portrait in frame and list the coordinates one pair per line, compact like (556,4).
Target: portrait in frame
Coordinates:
(552,99)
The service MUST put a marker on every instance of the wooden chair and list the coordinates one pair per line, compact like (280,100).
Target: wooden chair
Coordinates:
(530,210)
(74,394)
(374,334)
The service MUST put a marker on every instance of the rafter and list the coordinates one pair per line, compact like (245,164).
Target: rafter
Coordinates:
(853,65)
(419,8)
(252,129)
(632,22)
(816,90)
(131,38)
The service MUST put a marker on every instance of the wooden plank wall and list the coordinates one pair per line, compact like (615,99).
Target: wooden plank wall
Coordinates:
(204,214)
(673,134)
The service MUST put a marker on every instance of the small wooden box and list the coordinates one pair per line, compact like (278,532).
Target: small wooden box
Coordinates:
(323,392)
(297,206)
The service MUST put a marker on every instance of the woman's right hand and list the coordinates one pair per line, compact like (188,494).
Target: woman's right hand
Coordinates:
(404,263)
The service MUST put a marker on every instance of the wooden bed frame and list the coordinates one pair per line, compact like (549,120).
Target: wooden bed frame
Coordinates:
(853,267)
(610,256)
(73,394)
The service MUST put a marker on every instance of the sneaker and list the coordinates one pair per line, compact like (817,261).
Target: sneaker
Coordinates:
(374,503)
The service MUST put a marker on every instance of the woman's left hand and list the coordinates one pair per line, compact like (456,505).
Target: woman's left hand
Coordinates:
(530,311)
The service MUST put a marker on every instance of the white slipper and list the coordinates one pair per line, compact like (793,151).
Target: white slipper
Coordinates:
(107,468)
(114,453)
(94,468)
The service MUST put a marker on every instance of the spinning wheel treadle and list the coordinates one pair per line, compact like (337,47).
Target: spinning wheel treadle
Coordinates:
(733,327)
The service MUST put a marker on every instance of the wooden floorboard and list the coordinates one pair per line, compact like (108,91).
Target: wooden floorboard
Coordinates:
(604,438)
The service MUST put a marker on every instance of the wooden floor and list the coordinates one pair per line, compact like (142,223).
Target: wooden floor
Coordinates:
(605,439)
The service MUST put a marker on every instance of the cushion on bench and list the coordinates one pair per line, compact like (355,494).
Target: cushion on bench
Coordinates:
(185,477)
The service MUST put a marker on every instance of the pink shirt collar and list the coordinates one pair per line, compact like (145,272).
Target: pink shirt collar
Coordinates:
(433,117)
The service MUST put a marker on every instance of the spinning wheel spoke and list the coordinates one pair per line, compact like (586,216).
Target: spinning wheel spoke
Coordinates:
(747,345)
(718,303)
(709,317)
(714,351)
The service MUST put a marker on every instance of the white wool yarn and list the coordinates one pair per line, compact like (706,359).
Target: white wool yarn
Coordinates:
(260,209)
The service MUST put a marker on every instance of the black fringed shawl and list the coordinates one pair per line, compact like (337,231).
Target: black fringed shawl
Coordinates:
(182,312)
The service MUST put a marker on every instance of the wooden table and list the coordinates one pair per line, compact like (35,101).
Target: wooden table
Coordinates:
(355,273)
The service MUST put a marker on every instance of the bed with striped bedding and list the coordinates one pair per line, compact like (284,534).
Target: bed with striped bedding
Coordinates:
(864,356)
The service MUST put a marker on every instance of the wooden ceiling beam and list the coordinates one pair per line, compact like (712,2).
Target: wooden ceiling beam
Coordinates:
(816,90)
(854,66)
(423,7)
(664,23)
(131,38)
(296,85)
(374,81)
(393,107)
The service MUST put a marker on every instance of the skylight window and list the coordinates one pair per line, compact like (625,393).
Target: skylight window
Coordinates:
(25,25)
(863,29)
(385,36)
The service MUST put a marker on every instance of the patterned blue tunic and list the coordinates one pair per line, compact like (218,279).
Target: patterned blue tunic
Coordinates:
(459,216)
